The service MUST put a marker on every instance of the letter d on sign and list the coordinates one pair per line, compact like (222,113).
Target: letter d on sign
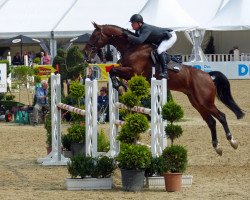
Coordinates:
(242,70)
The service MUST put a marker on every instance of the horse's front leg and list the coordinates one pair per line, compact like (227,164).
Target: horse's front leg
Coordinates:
(121,72)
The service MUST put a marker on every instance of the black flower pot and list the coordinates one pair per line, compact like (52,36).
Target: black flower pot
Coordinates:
(78,148)
(132,180)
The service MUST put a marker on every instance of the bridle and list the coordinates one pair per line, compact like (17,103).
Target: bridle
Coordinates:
(93,45)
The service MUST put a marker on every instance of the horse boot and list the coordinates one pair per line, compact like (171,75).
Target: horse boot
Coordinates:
(164,60)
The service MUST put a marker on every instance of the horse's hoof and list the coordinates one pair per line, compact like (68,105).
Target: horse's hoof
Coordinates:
(218,150)
(234,143)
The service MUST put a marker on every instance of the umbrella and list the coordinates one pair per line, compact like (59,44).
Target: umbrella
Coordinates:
(20,39)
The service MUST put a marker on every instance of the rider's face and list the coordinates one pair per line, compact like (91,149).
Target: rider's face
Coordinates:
(135,25)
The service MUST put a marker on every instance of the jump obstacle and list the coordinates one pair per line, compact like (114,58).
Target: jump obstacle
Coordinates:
(55,157)
(158,139)
(158,99)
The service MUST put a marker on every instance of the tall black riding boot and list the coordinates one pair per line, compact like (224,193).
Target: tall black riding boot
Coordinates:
(164,60)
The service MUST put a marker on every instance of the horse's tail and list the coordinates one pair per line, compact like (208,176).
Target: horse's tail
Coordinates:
(224,93)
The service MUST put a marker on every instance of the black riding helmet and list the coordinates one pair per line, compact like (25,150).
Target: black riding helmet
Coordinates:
(136,18)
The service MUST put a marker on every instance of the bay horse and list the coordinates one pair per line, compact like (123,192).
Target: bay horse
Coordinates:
(200,87)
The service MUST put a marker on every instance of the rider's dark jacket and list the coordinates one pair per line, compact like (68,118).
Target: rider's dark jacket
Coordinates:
(150,34)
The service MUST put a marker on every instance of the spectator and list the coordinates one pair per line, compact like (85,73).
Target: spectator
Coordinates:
(17,60)
(41,57)
(103,102)
(41,100)
(46,59)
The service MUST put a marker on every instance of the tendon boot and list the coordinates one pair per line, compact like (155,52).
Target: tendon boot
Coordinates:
(164,60)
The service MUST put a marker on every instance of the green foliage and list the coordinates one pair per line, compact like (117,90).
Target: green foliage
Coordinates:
(37,60)
(102,142)
(175,158)
(66,142)
(9,97)
(37,79)
(134,125)
(60,59)
(85,166)
(134,157)
(76,118)
(77,91)
(74,63)
(80,166)
(105,166)
(157,167)
(21,74)
(173,132)
(172,111)
(139,86)
(77,133)
(47,126)
(129,99)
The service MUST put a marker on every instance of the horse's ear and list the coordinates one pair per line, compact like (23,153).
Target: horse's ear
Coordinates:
(96,25)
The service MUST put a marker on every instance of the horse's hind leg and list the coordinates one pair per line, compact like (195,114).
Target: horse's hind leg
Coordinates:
(207,117)
(222,119)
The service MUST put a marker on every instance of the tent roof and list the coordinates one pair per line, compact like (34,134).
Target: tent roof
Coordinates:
(78,19)
(167,13)
(233,16)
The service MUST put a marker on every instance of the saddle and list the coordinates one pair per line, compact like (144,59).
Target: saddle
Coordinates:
(175,64)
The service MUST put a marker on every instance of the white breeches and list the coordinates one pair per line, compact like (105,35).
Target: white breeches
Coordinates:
(167,44)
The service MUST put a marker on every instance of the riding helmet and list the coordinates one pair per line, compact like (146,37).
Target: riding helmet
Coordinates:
(136,18)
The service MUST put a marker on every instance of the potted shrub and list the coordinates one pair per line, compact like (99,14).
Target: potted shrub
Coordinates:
(175,159)
(90,173)
(77,137)
(66,143)
(47,126)
(132,161)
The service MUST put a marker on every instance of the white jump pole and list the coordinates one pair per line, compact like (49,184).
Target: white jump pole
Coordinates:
(158,99)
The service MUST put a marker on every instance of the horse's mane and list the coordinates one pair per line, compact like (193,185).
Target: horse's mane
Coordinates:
(118,27)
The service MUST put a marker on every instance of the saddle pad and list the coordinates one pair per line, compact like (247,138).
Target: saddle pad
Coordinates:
(174,66)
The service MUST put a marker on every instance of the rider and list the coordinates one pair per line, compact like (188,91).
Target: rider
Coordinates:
(163,38)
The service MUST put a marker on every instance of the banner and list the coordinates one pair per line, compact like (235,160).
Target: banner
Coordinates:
(102,69)
(3,77)
(232,70)
(45,71)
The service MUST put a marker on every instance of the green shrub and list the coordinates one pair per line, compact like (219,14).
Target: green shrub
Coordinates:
(77,91)
(66,142)
(129,99)
(134,125)
(172,111)
(85,166)
(173,132)
(102,142)
(10,97)
(37,60)
(47,126)
(139,86)
(157,167)
(134,157)
(77,133)
(175,158)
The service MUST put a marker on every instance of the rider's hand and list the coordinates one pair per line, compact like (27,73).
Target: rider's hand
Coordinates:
(126,33)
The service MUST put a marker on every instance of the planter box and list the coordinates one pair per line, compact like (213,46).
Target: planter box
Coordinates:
(158,181)
(89,183)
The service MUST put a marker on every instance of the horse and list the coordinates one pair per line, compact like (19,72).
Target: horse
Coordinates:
(200,87)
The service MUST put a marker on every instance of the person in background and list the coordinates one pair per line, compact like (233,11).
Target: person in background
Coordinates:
(17,60)
(41,57)
(41,100)
(46,59)
(103,102)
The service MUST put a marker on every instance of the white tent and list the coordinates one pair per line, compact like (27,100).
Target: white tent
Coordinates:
(167,13)
(233,16)
(78,19)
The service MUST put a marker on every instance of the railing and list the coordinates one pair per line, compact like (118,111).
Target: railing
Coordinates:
(220,57)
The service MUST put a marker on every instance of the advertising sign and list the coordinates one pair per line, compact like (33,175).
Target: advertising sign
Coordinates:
(3,77)
(45,71)
(102,69)
(232,70)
